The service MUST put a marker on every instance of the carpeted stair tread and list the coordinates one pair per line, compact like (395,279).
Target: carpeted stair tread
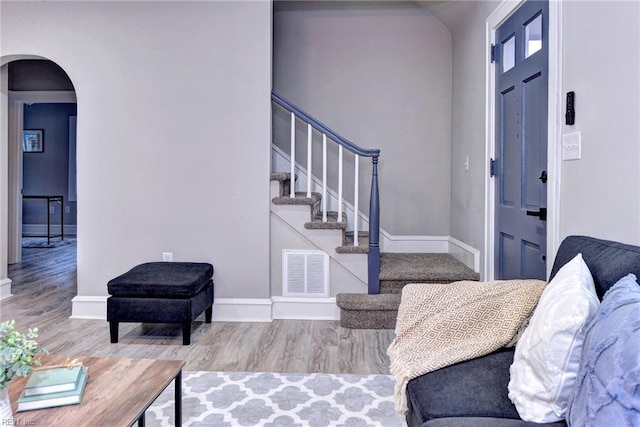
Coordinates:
(363,238)
(368,302)
(332,222)
(284,181)
(300,199)
(424,267)
(281,176)
(350,249)
(364,311)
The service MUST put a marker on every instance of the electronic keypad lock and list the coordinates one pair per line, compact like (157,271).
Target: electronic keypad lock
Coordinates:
(570,115)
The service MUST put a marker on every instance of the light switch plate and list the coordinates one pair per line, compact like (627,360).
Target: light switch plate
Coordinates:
(572,146)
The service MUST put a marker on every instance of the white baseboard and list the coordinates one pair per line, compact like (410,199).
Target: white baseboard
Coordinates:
(5,288)
(467,254)
(242,310)
(266,310)
(305,308)
(418,244)
(89,307)
(224,309)
(233,309)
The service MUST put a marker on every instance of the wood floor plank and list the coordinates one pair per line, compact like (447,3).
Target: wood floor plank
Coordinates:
(45,282)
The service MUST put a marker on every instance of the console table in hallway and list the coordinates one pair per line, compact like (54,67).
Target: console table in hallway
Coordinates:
(118,392)
(51,199)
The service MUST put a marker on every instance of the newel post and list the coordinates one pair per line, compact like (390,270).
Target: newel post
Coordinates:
(374,231)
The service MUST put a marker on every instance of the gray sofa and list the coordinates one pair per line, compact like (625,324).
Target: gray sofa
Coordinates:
(475,392)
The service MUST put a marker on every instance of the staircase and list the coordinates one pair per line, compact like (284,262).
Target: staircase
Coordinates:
(365,310)
(374,280)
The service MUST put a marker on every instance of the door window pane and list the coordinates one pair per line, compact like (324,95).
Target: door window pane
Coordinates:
(509,54)
(533,36)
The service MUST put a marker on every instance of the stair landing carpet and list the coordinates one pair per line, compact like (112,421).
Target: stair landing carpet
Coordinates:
(232,399)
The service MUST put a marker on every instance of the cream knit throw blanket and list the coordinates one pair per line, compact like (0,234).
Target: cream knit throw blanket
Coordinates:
(439,325)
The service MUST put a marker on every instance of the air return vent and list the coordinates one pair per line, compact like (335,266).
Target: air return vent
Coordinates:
(305,274)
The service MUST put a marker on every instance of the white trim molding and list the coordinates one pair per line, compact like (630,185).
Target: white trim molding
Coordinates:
(232,309)
(305,308)
(267,310)
(89,307)
(5,289)
(224,309)
(242,310)
(554,131)
(433,244)
(465,253)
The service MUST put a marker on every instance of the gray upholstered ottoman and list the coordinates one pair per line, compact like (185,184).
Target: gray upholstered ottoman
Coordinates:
(161,292)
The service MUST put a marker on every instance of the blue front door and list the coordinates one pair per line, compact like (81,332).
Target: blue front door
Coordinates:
(521,61)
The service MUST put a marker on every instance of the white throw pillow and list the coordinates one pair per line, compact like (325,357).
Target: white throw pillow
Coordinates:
(547,356)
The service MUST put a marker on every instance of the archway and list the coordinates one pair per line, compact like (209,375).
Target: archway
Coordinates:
(28,80)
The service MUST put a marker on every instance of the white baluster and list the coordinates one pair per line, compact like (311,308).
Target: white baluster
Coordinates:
(308,160)
(292,181)
(340,155)
(324,178)
(355,202)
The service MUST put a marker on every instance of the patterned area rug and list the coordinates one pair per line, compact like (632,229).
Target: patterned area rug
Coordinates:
(231,399)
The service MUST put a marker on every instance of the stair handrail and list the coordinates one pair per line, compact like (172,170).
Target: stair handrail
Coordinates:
(373,281)
(300,113)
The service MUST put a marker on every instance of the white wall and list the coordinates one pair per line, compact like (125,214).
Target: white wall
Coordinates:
(173,131)
(379,74)
(467,22)
(601,63)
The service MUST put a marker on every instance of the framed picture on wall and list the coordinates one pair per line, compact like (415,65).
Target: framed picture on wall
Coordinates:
(33,140)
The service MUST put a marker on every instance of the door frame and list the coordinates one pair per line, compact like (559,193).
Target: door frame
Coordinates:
(554,128)
(17,100)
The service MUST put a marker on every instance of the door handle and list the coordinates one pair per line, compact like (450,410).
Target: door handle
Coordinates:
(542,214)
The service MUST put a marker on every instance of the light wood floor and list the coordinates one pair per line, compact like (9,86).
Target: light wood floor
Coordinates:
(45,282)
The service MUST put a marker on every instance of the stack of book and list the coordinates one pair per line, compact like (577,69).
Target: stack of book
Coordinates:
(49,387)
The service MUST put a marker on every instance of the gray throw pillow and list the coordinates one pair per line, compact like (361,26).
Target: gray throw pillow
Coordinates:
(607,390)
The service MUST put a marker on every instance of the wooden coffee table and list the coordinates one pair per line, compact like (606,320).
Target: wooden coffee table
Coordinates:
(118,392)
